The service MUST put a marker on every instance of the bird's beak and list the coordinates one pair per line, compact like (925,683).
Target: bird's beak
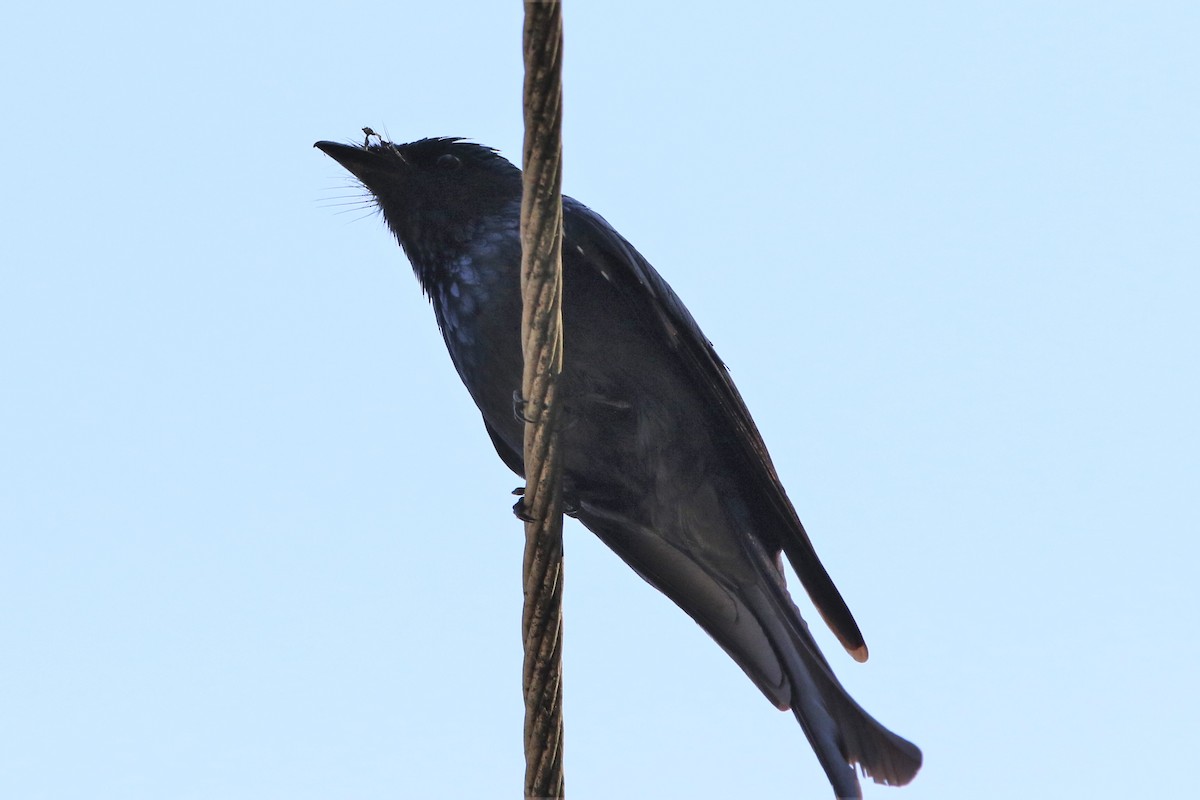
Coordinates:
(358,161)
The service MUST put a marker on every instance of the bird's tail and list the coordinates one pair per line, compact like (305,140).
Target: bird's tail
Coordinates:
(840,731)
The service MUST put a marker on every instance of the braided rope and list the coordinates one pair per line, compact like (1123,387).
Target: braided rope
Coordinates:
(541,341)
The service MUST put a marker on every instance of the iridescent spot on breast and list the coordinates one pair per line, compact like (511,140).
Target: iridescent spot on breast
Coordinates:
(467,305)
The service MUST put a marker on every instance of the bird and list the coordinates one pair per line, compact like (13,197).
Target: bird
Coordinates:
(661,459)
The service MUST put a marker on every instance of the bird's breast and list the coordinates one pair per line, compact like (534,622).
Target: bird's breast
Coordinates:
(477,301)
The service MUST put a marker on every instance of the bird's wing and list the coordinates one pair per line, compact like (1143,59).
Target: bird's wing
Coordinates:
(591,242)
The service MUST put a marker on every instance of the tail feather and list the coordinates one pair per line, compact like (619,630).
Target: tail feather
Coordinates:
(840,731)
(883,756)
(756,622)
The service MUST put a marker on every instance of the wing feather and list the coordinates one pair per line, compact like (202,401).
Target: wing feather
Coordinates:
(586,232)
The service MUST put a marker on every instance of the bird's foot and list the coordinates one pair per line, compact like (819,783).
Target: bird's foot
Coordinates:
(521,511)
(566,419)
(570,505)
(519,406)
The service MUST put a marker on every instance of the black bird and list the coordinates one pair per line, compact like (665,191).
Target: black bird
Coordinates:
(661,458)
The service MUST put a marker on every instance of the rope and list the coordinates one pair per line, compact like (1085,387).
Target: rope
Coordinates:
(541,341)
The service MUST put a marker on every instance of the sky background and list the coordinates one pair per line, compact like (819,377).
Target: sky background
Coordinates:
(254,542)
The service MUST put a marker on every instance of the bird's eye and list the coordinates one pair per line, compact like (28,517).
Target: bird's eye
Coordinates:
(448,161)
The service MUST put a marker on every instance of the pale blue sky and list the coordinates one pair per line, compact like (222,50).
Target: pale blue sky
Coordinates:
(254,542)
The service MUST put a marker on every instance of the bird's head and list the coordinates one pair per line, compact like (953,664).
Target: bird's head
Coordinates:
(435,194)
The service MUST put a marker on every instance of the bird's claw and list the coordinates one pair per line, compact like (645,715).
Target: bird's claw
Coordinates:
(570,505)
(521,511)
(519,406)
(566,419)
